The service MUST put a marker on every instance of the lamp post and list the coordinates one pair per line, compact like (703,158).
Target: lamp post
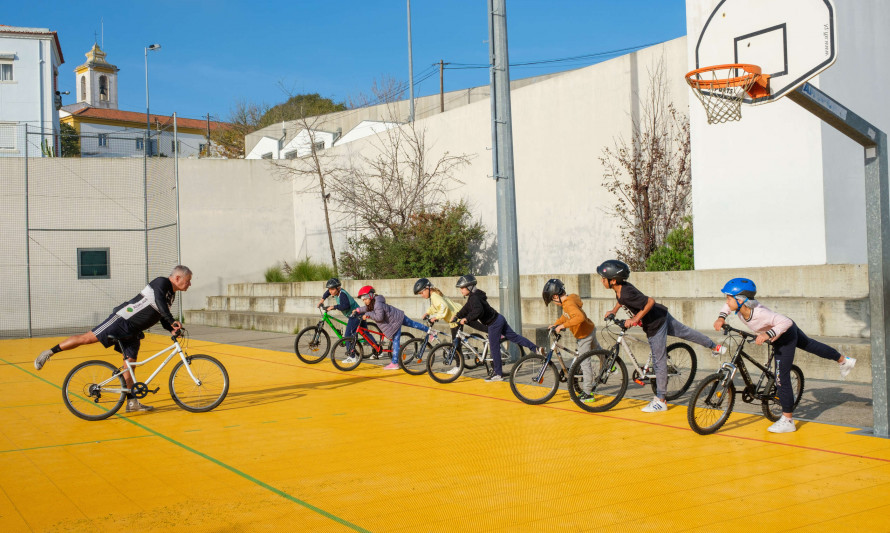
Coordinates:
(147,115)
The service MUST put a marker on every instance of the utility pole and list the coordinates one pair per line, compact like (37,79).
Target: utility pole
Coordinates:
(502,167)
(208,136)
(442,85)
(410,70)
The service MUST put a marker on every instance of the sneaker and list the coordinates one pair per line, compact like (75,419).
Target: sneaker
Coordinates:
(453,371)
(541,351)
(46,354)
(134,405)
(718,350)
(391,366)
(655,406)
(845,367)
(783,425)
(586,397)
(433,334)
(351,360)
(493,378)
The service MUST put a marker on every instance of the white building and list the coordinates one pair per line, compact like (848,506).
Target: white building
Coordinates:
(299,142)
(29,69)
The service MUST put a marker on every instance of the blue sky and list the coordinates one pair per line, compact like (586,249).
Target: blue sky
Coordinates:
(215,53)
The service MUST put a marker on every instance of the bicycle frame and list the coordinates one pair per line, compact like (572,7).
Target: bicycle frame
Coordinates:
(174,349)
(737,363)
(556,347)
(643,372)
(460,340)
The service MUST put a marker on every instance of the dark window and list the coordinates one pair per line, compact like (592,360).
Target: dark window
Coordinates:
(140,143)
(103,88)
(83,88)
(92,263)
(103,139)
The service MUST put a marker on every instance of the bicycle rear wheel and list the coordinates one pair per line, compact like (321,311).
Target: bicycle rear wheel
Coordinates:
(312,344)
(347,354)
(533,382)
(681,365)
(413,355)
(710,405)
(444,364)
(209,392)
(772,408)
(85,398)
(609,380)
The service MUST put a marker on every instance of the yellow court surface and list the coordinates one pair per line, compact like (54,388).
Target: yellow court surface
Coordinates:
(301,447)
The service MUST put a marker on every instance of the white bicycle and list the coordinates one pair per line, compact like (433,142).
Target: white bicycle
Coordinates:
(95,390)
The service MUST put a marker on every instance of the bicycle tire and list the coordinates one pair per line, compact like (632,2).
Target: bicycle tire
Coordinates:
(710,405)
(524,383)
(413,355)
(477,342)
(310,348)
(609,382)
(439,365)
(682,364)
(772,408)
(203,397)
(80,395)
(505,352)
(341,352)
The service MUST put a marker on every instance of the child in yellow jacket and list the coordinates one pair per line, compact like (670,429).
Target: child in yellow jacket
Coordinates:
(575,320)
(441,307)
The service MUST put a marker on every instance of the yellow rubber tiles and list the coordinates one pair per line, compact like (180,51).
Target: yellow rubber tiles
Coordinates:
(308,448)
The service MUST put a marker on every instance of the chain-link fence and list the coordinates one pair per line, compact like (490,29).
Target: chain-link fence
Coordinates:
(87,221)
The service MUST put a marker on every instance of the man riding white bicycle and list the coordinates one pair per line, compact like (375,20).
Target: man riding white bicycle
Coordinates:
(124,327)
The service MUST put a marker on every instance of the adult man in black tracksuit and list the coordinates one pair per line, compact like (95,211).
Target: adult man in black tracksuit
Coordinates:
(127,322)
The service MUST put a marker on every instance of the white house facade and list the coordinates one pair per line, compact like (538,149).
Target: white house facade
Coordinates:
(29,69)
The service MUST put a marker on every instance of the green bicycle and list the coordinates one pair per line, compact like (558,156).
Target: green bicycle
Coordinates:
(313,343)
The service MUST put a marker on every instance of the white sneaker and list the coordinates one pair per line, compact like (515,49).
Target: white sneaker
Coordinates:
(350,360)
(845,367)
(453,371)
(656,406)
(46,354)
(783,425)
(493,378)
(718,350)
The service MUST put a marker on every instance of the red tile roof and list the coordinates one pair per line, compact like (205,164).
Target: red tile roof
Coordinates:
(139,118)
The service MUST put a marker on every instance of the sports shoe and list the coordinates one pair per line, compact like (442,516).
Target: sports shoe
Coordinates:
(391,366)
(656,406)
(586,397)
(783,425)
(433,334)
(453,371)
(845,367)
(46,354)
(493,378)
(718,350)
(541,351)
(133,405)
(351,360)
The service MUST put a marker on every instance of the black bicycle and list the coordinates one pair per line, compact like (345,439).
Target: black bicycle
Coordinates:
(536,378)
(714,398)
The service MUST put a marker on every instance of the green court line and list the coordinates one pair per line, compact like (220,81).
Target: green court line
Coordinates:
(74,444)
(217,462)
(235,426)
(191,430)
(270,422)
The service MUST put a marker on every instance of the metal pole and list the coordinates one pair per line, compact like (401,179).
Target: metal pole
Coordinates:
(410,70)
(502,125)
(176,184)
(147,115)
(27,235)
(441,86)
(145,206)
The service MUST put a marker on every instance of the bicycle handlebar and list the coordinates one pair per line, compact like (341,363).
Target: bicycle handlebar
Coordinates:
(747,335)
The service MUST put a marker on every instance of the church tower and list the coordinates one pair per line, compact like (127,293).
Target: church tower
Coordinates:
(97,80)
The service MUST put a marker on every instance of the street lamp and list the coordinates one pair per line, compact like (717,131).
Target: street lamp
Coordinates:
(147,115)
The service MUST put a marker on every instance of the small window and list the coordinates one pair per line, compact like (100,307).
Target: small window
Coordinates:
(176,146)
(291,155)
(6,72)
(92,263)
(7,136)
(201,148)
(318,146)
(103,139)
(267,155)
(83,88)
(140,144)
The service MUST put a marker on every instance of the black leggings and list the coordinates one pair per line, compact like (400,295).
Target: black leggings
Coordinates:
(784,347)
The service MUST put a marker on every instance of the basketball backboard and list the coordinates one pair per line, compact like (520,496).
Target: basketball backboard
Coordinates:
(790,40)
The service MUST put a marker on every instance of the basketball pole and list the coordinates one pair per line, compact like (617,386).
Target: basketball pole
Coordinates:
(877,219)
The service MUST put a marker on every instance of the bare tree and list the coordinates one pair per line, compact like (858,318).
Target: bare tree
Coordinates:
(650,174)
(243,118)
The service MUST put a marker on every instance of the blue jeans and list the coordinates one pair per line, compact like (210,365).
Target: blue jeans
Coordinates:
(352,324)
(396,340)
(500,328)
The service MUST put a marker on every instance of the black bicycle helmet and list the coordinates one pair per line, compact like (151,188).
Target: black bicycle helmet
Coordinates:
(421,284)
(553,287)
(332,283)
(613,269)
(466,282)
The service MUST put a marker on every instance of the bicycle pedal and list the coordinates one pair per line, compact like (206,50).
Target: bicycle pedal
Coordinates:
(640,382)
(155,391)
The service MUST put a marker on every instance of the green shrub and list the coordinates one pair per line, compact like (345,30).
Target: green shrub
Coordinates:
(306,270)
(676,254)
(274,274)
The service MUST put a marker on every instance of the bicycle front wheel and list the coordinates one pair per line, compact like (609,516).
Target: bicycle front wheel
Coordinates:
(711,404)
(471,357)
(347,354)
(445,364)
(533,380)
(772,407)
(207,392)
(413,355)
(608,376)
(312,344)
(86,396)
(681,365)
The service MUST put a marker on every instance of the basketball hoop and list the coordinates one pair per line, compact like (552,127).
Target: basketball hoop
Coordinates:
(722,88)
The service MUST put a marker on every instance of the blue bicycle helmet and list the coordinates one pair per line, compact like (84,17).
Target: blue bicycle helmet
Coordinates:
(740,287)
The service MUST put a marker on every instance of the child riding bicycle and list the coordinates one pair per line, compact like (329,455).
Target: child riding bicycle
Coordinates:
(345,304)
(389,318)
(785,337)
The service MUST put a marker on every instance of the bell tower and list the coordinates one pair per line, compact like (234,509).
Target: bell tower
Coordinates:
(97,80)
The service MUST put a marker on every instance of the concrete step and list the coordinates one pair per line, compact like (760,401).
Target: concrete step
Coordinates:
(812,366)
(820,317)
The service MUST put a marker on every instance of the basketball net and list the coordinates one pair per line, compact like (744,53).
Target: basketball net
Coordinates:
(722,88)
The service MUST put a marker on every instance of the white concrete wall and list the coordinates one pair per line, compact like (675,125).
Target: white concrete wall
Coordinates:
(236,220)
(780,187)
